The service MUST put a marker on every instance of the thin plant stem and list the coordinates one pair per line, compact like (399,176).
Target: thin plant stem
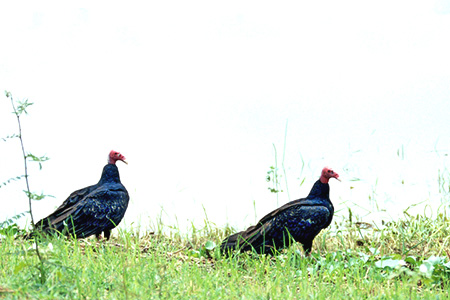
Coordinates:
(41,269)
(24,160)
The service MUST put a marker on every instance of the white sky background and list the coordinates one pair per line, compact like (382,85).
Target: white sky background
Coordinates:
(194,93)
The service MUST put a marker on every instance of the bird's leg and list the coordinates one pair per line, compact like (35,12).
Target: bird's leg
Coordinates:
(307,248)
(107,233)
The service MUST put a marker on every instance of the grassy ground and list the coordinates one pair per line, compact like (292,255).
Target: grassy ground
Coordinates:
(407,259)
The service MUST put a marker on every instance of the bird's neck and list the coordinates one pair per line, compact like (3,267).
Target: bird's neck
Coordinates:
(319,190)
(110,174)
(324,179)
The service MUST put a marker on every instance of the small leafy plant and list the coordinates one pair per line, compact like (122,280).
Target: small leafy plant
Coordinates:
(18,111)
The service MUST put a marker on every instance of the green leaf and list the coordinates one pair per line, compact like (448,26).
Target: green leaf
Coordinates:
(19,267)
(37,159)
(210,245)
(194,253)
(364,257)
(427,269)
(434,260)
(34,196)
(12,179)
(12,136)
(374,251)
(390,263)
(411,260)
(22,106)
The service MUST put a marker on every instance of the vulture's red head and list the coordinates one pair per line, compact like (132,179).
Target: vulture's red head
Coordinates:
(328,173)
(115,156)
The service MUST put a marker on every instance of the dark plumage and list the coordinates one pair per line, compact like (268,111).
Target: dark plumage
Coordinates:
(95,209)
(300,220)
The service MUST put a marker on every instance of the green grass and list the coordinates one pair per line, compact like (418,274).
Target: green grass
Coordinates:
(407,259)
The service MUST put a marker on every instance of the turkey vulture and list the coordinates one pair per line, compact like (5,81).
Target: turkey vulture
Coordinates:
(300,220)
(94,209)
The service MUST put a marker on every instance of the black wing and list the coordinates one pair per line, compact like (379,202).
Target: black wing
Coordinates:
(72,201)
(100,210)
(301,219)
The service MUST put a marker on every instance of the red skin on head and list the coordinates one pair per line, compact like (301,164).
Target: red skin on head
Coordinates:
(328,173)
(115,156)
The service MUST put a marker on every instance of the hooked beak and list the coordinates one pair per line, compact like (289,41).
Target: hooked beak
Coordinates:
(337,177)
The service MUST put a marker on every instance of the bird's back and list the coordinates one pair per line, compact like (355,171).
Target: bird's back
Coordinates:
(101,210)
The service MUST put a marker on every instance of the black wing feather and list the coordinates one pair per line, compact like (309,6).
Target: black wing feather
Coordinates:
(300,222)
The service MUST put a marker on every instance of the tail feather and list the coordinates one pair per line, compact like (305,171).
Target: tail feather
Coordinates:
(42,227)
(252,238)
(230,242)
(259,238)
(51,225)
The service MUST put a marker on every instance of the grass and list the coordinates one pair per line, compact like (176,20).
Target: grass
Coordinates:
(406,259)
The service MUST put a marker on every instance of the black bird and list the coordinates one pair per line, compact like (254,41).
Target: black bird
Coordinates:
(95,209)
(300,220)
